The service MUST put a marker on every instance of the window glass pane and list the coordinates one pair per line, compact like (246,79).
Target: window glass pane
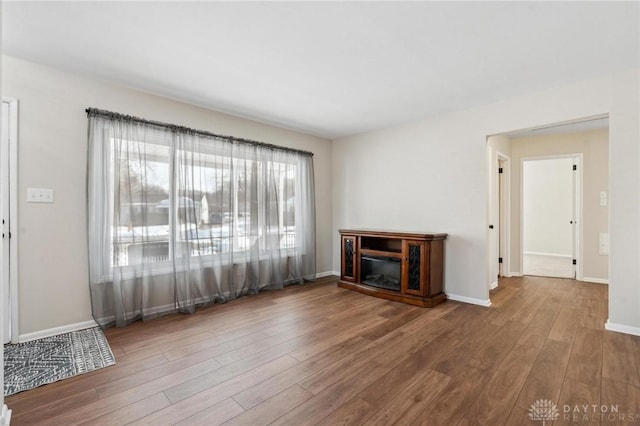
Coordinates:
(141,196)
(289,213)
(281,208)
(205,184)
(220,205)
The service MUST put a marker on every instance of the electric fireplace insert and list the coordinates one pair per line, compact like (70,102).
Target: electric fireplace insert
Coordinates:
(381,272)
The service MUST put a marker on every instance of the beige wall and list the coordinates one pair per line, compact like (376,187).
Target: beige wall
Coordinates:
(594,146)
(431,175)
(428,175)
(52,154)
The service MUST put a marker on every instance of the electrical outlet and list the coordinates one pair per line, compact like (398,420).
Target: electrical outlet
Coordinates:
(39,195)
(603,244)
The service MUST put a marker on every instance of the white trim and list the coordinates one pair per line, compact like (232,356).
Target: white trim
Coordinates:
(12,215)
(498,214)
(515,274)
(469,300)
(13,203)
(170,308)
(537,253)
(494,285)
(621,328)
(327,274)
(595,280)
(57,330)
(580,213)
(504,206)
(162,309)
(5,416)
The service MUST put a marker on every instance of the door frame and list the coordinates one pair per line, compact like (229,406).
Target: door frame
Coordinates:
(498,215)
(578,213)
(10,198)
(504,214)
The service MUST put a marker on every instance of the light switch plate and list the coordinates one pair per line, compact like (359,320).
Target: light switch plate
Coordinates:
(39,195)
(603,198)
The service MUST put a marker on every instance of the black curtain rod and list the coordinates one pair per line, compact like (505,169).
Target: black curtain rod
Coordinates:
(95,112)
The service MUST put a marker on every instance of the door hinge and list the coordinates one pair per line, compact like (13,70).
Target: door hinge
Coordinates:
(575,167)
(500,170)
(574,262)
(499,260)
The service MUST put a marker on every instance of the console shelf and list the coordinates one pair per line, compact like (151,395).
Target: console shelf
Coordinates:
(405,267)
(380,253)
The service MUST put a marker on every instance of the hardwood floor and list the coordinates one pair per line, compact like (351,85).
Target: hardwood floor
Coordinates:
(319,354)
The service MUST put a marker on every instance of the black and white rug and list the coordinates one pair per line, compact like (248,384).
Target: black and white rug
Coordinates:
(38,362)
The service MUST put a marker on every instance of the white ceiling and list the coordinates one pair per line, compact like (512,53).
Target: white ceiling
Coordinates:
(329,68)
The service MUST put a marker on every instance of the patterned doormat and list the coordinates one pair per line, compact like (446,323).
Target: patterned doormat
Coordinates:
(38,362)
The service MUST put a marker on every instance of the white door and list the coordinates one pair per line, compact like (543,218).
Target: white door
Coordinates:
(574,218)
(8,219)
(549,217)
(501,219)
(4,213)
(494,226)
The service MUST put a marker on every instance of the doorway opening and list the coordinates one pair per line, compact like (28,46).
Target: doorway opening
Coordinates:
(550,208)
(583,143)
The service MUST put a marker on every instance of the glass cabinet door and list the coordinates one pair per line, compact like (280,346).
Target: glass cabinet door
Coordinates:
(349,251)
(413,278)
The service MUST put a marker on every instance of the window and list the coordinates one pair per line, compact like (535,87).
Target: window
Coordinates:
(217,207)
(179,217)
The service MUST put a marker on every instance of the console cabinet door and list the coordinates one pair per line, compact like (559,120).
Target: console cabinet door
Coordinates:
(414,263)
(349,252)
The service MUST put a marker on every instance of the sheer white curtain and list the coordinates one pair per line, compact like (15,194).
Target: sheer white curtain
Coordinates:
(179,218)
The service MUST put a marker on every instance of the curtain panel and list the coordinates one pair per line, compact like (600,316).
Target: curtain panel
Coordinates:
(179,218)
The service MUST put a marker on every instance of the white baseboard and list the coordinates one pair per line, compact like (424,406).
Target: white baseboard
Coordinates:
(56,330)
(494,285)
(515,274)
(470,300)
(5,416)
(621,328)
(327,274)
(536,253)
(595,280)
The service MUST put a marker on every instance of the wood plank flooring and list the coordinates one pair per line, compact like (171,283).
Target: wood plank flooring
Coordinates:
(321,355)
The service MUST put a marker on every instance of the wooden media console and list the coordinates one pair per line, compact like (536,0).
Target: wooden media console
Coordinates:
(405,267)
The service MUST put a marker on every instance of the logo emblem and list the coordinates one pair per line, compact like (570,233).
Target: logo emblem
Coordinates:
(544,410)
